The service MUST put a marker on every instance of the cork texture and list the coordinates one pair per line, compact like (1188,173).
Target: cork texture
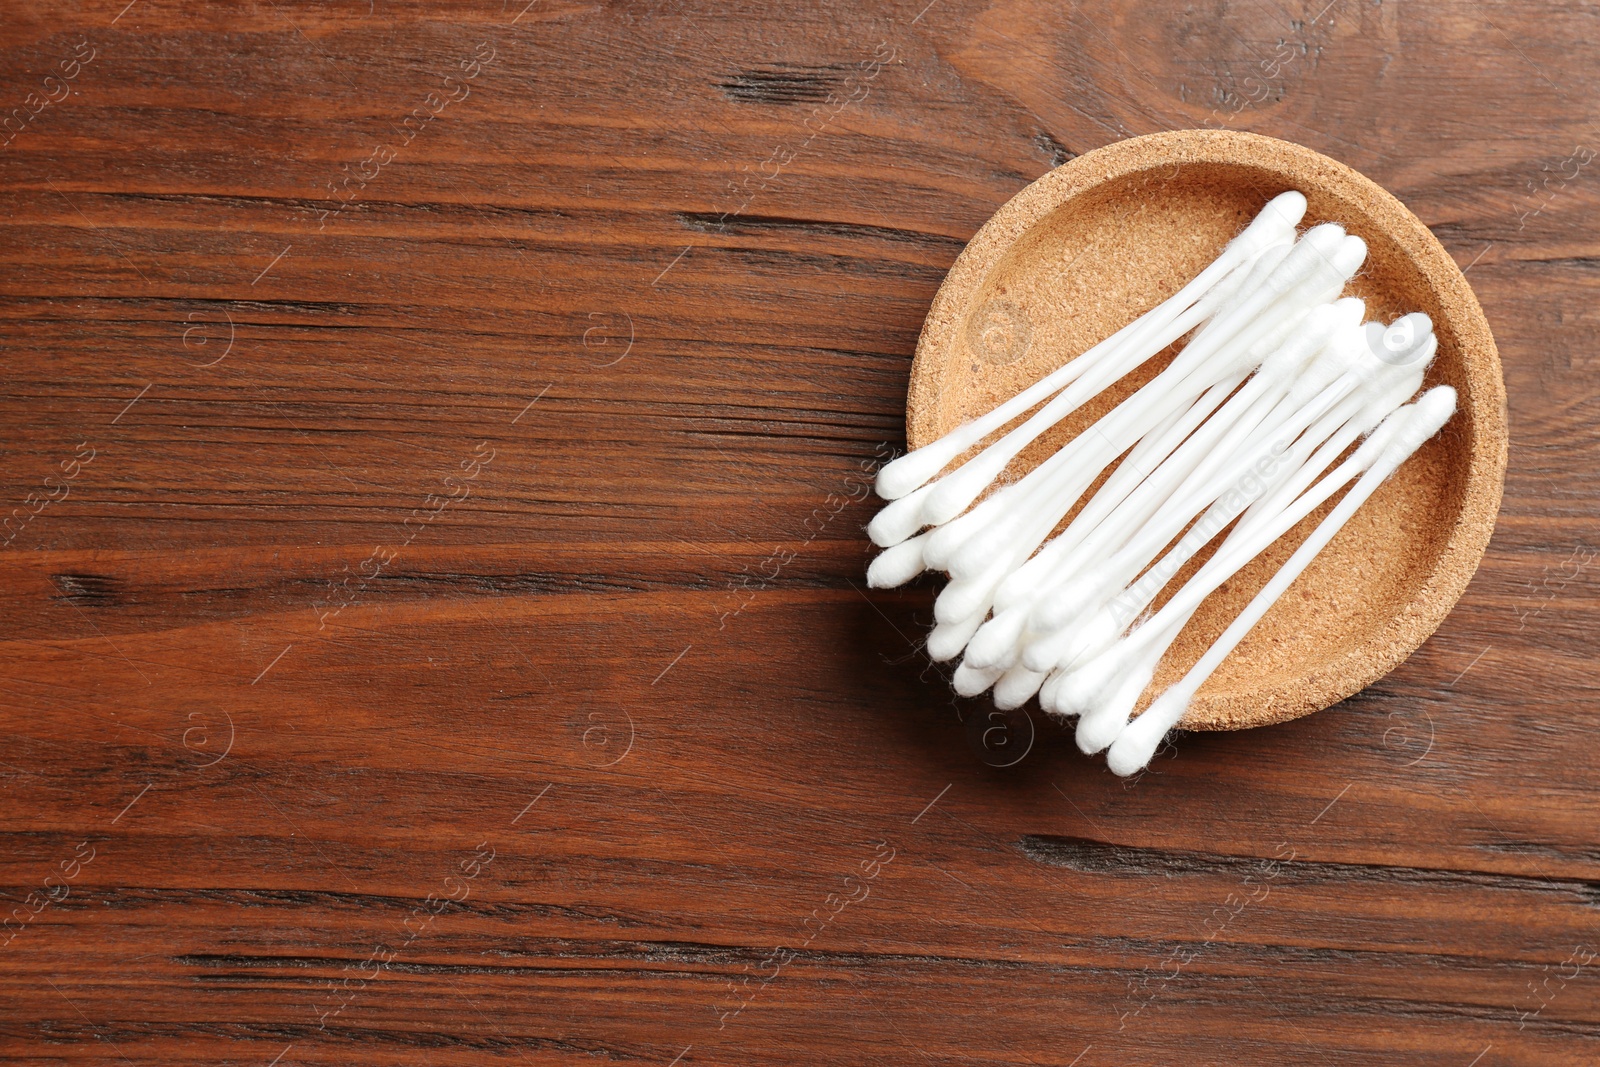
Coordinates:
(1101,240)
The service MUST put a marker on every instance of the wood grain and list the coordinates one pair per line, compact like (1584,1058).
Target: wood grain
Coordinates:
(455,650)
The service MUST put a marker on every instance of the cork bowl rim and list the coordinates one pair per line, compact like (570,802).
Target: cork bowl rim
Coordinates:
(1382,647)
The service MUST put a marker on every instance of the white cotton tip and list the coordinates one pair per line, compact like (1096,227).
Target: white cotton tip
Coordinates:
(1378,440)
(947,639)
(1072,644)
(1310,335)
(969,681)
(1060,699)
(1323,319)
(997,638)
(1388,395)
(1415,323)
(1051,614)
(1096,635)
(1401,342)
(947,539)
(994,541)
(1046,651)
(1428,414)
(1091,683)
(899,477)
(1405,347)
(1016,686)
(1284,210)
(1274,224)
(1018,589)
(898,565)
(1136,745)
(898,519)
(952,494)
(1101,725)
(1420,356)
(1375,365)
(960,598)
(1425,354)
(955,492)
(1312,253)
(1047,691)
(1343,352)
(1348,259)
(1348,311)
(1075,602)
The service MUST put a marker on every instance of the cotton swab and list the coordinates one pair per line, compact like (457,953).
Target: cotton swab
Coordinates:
(949,495)
(1275,373)
(1100,722)
(938,552)
(968,595)
(955,491)
(1267,448)
(1269,284)
(1290,474)
(1243,545)
(1113,433)
(1136,744)
(1043,654)
(1275,222)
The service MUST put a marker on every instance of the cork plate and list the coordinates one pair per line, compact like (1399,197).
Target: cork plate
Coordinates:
(1094,244)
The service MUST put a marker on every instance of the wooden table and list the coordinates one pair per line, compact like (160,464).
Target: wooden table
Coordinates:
(434,624)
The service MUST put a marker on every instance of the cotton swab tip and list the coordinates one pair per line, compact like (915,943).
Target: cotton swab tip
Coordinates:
(1274,222)
(1089,684)
(1351,254)
(1103,724)
(996,638)
(969,681)
(1425,354)
(1400,342)
(896,566)
(959,600)
(1136,745)
(1016,686)
(1288,208)
(901,476)
(1047,691)
(947,639)
(897,520)
(1428,414)
(1316,249)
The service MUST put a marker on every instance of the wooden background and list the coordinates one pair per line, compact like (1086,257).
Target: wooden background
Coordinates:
(433,619)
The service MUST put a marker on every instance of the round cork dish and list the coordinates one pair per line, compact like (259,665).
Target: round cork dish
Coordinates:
(1092,245)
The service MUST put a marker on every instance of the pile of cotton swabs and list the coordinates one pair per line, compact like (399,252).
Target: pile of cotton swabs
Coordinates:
(1246,428)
